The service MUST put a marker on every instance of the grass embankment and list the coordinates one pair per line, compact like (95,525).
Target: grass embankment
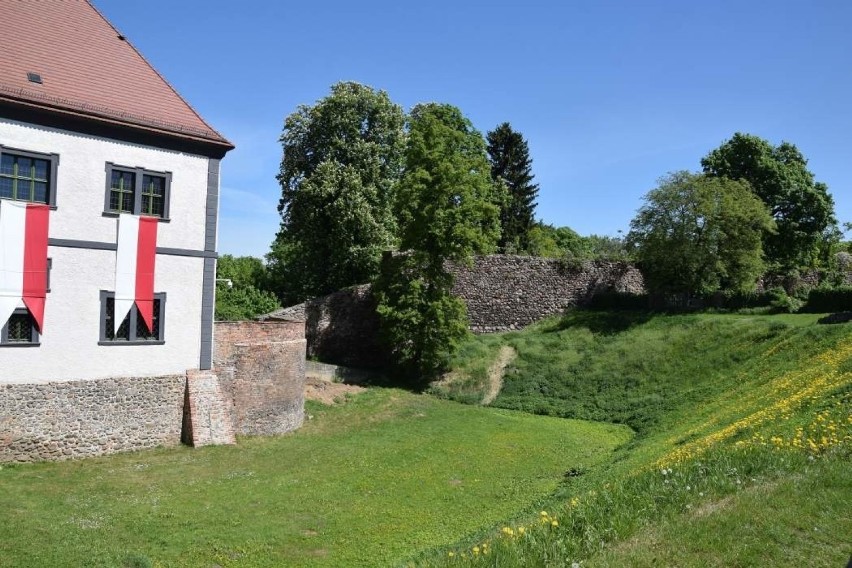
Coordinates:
(741,455)
(363,483)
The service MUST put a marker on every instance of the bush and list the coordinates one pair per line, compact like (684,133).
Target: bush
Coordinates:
(822,300)
(782,303)
(618,301)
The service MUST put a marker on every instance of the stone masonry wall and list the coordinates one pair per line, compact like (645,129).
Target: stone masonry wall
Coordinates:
(261,371)
(502,292)
(62,420)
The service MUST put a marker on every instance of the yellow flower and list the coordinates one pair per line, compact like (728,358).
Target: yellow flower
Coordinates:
(451,554)
(543,513)
(554,523)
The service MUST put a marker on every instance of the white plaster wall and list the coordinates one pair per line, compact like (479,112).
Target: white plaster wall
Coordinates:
(81,182)
(69,347)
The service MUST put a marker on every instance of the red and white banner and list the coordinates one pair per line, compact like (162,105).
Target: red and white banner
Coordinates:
(134,268)
(23,259)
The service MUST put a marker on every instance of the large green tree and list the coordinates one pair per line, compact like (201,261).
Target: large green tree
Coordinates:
(447,210)
(511,164)
(341,162)
(697,234)
(802,208)
(241,290)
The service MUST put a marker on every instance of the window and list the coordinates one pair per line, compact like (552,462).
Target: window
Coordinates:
(19,331)
(132,330)
(137,191)
(28,176)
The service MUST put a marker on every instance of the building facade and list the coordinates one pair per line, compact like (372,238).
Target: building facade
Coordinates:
(89,129)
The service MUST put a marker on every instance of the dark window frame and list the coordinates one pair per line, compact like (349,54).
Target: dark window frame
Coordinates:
(4,333)
(134,314)
(53,168)
(139,175)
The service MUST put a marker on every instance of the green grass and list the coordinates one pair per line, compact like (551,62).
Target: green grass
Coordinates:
(367,483)
(735,406)
(743,436)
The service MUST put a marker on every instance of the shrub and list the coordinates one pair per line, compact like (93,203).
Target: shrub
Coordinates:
(618,301)
(838,299)
(782,303)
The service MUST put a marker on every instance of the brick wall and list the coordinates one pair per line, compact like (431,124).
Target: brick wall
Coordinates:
(261,370)
(62,420)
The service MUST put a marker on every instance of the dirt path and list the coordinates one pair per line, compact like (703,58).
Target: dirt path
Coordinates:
(495,373)
(328,392)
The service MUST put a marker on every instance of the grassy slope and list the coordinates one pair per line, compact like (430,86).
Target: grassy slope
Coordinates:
(717,398)
(364,483)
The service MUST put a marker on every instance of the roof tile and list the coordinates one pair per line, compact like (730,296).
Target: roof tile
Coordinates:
(87,67)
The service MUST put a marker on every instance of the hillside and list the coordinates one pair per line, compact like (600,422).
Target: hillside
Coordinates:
(743,433)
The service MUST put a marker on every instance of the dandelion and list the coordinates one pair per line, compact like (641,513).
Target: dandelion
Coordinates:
(475,550)
(554,523)
(522,530)
(543,513)
(451,554)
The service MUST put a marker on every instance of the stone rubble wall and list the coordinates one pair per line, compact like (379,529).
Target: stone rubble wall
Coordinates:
(502,292)
(257,387)
(75,419)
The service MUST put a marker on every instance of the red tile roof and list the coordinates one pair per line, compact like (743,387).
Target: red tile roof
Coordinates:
(88,69)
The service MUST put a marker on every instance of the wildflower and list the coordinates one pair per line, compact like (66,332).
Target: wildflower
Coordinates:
(543,513)
(475,550)
(575,565)
(554,523)
(575,501)
(522,530)
(701,494)
(451,554)
(688,488)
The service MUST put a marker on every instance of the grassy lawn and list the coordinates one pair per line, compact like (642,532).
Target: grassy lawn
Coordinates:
(367,482)
(749,417)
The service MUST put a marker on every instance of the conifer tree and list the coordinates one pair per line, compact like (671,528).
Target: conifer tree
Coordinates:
(511,165)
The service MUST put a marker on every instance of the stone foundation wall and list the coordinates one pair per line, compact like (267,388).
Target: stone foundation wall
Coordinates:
(62,420)
(261,376)
(261,371)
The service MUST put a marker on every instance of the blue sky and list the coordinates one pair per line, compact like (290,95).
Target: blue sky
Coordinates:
(610,95)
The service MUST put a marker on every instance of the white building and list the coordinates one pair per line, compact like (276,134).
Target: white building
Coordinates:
(89,128)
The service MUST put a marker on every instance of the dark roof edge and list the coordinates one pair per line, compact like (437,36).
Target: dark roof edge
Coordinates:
(96,125)
(39,99)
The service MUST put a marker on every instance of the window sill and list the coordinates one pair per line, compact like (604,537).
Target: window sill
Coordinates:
(21,344)
(120,343)
(115,215)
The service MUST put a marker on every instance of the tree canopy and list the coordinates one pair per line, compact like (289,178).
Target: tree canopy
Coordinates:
(341,161)
(802,208)
(447,211)
(697,234)
(511,164)
(241,288)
